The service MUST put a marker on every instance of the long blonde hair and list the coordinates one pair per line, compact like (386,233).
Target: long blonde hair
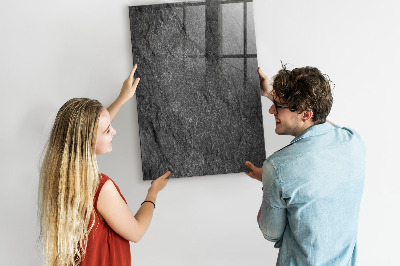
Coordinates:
(68,182)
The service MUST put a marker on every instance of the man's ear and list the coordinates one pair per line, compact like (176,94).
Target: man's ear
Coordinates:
(306,115)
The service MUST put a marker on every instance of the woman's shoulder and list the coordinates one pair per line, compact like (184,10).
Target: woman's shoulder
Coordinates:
(109,183)
(103,178)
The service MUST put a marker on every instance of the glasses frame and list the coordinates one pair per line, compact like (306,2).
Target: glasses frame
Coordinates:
(279,106)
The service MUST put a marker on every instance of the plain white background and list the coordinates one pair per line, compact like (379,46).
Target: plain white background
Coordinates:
(51,51)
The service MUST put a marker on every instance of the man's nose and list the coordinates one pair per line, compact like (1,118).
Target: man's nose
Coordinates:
(272,110)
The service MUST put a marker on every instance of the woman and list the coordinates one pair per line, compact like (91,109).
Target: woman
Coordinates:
(84,219)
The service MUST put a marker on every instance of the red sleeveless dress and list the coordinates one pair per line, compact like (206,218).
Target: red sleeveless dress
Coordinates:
(105,247)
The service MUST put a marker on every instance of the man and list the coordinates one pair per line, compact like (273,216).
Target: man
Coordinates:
(312,187)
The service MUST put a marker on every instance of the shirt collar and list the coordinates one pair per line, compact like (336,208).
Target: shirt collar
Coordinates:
(314,131)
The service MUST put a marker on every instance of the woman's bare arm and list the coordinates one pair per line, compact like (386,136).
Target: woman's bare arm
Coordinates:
(118,216)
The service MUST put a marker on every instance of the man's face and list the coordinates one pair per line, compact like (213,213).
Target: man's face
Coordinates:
(286,122)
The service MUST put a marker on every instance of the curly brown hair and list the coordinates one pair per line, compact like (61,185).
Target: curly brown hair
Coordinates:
(304,88)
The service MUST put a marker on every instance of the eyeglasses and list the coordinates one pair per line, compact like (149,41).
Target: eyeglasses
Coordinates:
(278,106)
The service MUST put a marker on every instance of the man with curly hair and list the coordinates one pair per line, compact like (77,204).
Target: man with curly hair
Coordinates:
(312,187)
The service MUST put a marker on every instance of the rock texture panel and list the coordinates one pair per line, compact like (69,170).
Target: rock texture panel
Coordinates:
(198,100)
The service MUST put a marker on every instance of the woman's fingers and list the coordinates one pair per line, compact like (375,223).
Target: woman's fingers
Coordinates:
(166,175)
(133,71)
(136,82)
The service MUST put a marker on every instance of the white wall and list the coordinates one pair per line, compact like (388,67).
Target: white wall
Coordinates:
(51,51)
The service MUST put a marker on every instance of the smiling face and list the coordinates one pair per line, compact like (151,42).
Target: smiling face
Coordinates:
(105,133)
(289,122)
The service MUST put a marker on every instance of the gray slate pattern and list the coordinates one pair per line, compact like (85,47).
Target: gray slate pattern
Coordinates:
(198,100)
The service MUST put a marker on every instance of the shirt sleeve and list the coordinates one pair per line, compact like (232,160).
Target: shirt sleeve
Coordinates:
(272,221)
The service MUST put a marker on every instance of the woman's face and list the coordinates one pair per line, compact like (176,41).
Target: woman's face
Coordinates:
(105,133)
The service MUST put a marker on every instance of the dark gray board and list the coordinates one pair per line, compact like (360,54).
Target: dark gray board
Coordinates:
(198,100)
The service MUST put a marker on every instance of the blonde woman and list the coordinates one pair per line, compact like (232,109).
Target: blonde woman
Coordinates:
(84,219)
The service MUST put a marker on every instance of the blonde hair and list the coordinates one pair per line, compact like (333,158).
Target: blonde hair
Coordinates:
(68,182)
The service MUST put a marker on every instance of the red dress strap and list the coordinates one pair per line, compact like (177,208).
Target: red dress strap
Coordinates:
(103,179)
(105,246)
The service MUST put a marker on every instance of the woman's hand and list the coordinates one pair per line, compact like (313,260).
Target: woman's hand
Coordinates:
(158,184)
(127,92)
(265,87)
(129,87)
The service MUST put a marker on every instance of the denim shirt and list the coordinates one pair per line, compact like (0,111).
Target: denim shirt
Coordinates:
(311,197)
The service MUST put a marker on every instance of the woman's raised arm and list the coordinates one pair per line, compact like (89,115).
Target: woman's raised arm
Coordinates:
(127,91)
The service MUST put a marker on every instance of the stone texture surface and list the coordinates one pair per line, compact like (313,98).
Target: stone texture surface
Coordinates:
(198,100)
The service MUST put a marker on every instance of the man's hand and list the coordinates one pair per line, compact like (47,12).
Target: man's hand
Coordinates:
(265,87)
(255,173)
